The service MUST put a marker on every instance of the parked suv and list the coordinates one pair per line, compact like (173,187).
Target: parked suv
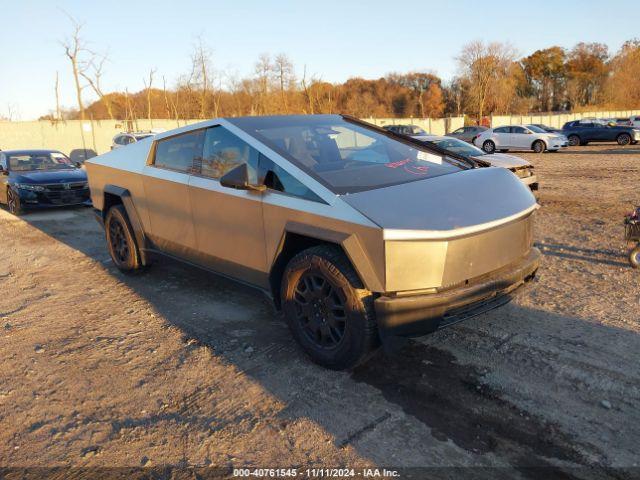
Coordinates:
(357,234)
(580,133)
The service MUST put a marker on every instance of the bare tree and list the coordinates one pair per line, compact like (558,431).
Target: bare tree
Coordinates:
(74,47)
(482,64)
(307,93)
(167,102)
(202,74)
(283,69)
(57,88)
(263,69)
(93,75)
(147,88)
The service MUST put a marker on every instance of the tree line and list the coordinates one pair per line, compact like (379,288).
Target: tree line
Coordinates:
(491,79)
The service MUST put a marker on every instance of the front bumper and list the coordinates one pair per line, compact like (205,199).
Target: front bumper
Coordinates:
(415,315)
(531,182)
(558,145)
(51,199)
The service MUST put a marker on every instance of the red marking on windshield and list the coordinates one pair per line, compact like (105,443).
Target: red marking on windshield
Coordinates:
(398,163)
(416,170)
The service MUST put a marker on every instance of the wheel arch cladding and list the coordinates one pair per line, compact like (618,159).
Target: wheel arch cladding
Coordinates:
(295,242)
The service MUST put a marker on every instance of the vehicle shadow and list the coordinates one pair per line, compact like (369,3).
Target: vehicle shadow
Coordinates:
(421,406)
(628,150)
(570,252)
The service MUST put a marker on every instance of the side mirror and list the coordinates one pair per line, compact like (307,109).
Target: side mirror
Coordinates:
(238,178)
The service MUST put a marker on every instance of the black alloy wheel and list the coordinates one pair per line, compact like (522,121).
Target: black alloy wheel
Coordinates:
(118,241)
(320,310)
(121,241)
(327,308)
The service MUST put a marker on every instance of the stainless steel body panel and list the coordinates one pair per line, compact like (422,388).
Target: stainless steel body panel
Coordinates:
(229,230)
(169,209)
(444,205)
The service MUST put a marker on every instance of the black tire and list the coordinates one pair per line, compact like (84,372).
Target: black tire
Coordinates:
(330,313)
(574,140)
(121,241)
(634,257)
(538,146)
(623,139)
(13,203)
(488,146)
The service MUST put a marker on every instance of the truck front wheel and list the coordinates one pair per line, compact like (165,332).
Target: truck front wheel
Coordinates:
(330,313)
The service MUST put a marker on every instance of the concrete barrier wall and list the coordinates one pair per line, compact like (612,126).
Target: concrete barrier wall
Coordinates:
(97,135)
(558,120)
(434,126)
(72,135)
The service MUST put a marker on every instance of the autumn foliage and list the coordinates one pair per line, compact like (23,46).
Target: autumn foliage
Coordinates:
(491,79)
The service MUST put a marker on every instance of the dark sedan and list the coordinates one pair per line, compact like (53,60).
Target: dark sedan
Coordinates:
(546,128)
(405,129)
(40,179)
(581,133)
(467,134)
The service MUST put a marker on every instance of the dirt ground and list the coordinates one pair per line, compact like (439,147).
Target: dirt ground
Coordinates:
(179,367)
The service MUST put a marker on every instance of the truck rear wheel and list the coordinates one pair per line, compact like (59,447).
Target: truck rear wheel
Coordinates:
(121,241)
(328,310)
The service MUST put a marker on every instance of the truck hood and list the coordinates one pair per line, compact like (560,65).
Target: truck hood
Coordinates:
(503,160)
(446,206)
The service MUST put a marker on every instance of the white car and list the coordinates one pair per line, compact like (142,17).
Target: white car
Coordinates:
(520,137)
(635,121)
(123,139)
(519,166)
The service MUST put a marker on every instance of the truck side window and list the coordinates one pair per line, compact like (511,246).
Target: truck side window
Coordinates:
(278,179)
(179,152)
(224,151)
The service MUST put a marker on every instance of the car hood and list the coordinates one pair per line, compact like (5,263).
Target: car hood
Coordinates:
(447,205)
(503,160)
(50,176)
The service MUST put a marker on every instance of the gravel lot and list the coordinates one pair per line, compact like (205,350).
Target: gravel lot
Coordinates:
(180,367)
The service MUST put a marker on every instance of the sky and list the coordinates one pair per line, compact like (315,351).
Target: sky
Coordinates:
(335,39)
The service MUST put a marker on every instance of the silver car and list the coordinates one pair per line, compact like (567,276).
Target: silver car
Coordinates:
(519,166)
(124,139)
(520,137)
(356,234)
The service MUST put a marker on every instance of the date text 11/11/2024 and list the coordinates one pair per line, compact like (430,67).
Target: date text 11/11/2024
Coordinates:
(316,472)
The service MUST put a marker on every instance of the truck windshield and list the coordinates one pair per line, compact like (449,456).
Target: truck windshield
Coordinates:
(344,155)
